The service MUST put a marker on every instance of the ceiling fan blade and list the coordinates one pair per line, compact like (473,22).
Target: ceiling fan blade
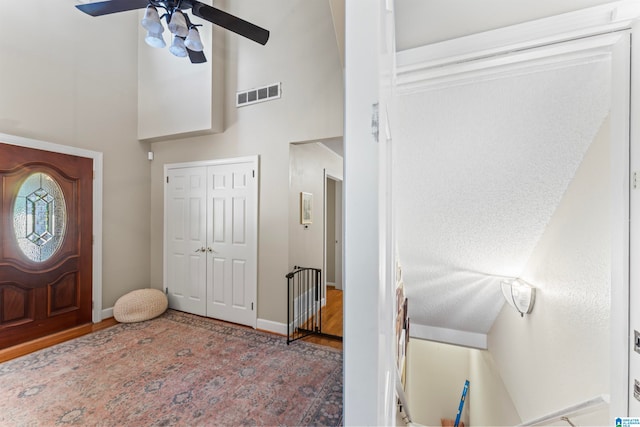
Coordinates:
(196,57)
(230,22)
(111,6)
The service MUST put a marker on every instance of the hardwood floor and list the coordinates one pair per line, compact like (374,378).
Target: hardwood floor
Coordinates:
(40,343)
(331,320)
(331,324)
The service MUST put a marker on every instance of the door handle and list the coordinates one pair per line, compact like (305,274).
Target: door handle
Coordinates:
(202,249)
(211,251)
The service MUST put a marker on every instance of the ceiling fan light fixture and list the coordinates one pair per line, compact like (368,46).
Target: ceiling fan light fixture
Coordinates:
(151,20)
(193,41)
(155,40)
(178,24)
(178,48)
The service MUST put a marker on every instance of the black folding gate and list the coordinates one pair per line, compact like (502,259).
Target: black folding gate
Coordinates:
(304,304)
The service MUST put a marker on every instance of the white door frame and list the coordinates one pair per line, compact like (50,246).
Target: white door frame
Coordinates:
(601,30)
(247,159)
(97,313)
(328,175)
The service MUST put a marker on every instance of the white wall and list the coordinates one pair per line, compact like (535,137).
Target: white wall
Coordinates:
(302,54)
(559,354)
(69,78)
(435,378)
(490,404)
(436,374)
(307,165)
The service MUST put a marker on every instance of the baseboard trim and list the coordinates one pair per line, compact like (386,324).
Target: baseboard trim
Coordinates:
(107,313)
(271,326)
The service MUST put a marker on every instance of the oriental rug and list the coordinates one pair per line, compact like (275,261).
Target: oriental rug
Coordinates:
(175,370)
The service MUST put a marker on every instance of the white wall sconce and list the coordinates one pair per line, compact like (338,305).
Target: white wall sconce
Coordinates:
(519,294)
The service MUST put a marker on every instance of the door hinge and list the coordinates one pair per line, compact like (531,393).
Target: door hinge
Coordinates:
(251,306)
(92,304)
(635,180)
(166,291)
(253,173)
(375,121)
(167,179)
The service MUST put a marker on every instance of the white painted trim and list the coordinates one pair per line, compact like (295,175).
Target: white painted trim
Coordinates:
(543,58)
(456,59)
(107,313)
(97,206)
(449,336)
(594,34)
(271,326)
(620,230)
(326,175)
(625,234)
(601,19)
(213,162)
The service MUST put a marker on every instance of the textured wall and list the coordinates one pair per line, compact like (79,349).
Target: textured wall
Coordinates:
(480,171)
(559,354)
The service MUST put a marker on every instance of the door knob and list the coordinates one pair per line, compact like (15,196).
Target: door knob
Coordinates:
(202,249)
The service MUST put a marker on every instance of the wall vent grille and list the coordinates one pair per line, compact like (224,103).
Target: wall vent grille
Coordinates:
(260,94)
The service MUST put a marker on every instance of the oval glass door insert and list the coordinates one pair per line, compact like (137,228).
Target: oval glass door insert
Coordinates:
(39,217)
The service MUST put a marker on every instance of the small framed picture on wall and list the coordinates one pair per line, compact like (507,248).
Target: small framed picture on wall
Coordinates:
(306,208)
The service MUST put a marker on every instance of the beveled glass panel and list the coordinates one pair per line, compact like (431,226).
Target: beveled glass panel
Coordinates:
(39,217)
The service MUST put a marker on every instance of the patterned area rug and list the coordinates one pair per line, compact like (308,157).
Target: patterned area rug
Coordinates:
(177,369)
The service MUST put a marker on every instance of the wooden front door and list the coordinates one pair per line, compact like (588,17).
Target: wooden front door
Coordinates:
(45,243)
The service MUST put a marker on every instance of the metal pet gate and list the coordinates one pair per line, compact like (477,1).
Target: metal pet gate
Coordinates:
(304,304)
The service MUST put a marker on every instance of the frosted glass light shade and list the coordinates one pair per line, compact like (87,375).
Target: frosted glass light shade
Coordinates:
(178,25)
(155,40)
(519,295)
(151,20)
(178,48)
(193,41)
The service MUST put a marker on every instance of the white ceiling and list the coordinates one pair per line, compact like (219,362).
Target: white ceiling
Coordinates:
(483,166)
(481,171)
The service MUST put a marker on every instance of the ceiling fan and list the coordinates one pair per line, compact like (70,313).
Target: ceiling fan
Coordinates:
(186,41)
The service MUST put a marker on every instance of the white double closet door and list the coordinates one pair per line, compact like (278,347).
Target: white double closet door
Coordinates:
(211,238)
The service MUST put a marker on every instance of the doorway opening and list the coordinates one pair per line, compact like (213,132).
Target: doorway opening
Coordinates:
(333,248)
(315,229)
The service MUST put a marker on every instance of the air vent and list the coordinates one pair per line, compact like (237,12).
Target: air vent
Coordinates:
(260,94)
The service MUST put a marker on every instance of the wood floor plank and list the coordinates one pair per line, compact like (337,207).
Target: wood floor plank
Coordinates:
(332,319)
(44,342)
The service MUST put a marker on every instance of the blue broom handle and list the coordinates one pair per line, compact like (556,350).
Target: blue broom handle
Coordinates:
(462,399)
